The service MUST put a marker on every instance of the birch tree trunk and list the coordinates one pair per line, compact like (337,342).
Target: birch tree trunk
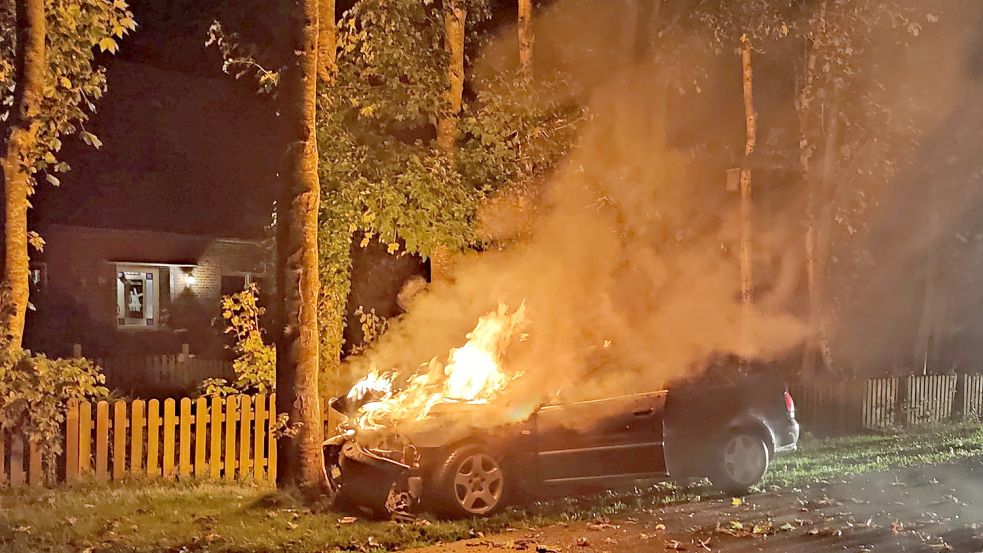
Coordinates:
(823,232)
(30,77)
(526,37)
(454,20)
(455,16)
(297,260)
(809,114)
(751,133)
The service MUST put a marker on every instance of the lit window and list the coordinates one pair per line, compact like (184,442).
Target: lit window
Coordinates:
(38,276)
(137,293)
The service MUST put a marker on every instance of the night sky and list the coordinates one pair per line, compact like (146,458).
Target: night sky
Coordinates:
(186,148)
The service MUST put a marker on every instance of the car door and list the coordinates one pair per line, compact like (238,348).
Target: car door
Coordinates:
(598,440)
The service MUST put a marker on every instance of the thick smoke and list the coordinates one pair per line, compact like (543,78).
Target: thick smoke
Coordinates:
(627,266)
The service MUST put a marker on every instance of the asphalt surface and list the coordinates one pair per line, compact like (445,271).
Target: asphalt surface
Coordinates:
(927,508)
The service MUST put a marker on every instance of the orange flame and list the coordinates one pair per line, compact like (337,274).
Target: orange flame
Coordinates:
(474,373)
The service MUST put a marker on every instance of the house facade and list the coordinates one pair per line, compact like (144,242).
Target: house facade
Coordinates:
(136,292)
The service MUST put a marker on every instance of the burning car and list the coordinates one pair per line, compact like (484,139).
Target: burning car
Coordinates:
(727,431)
(448,437)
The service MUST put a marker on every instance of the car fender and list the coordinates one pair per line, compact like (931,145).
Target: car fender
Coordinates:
(755,423)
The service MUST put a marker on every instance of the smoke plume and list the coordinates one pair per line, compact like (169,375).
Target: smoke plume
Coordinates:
(627,264)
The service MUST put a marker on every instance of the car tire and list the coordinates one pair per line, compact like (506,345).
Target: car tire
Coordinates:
(469,482)
(742,460)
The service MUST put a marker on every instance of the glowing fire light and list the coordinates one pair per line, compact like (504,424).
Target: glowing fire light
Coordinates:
(473,374)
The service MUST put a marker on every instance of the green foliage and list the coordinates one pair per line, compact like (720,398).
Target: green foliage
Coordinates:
(373,327)
(34,391)
(255,362)
(75,30)
(759,20)
(240,59)
(382,175)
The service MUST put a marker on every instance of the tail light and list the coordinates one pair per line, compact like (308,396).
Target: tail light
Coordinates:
(789,404)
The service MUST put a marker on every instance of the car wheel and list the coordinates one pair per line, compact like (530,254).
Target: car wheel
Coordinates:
(742,463)
(469,482)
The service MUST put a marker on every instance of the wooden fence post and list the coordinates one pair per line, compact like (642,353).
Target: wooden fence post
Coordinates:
(959,398)
(119,440)
(85,438)
(35,469)
(153,437)
(901,405)
(184,459)
(137,421)
(169,429)
(271,440)
(231,417)
(201,422)
(102,441)
(215,446)
(259,435)
(245,418)
(17,477)
(71,443)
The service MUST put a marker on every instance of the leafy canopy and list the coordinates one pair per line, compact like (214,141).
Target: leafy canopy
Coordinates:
(76,30)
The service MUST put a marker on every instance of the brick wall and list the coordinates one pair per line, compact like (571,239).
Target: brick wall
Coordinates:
(77,303)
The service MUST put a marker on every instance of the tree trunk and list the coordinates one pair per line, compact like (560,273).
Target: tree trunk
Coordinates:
(441,262)
(526,37)
(30,77)
(807,110)
(823,232)
(297,260)
(454,19)
(751,123)
(327,41)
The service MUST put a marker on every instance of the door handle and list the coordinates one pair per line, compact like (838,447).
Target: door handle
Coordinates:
(643,411)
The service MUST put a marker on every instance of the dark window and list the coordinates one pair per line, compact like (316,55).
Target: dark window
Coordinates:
(232,284)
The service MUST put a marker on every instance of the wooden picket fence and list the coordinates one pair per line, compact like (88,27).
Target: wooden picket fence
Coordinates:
(851,406)
(231,439)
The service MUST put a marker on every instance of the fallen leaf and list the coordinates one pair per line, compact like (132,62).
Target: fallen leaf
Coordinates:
(583,542)
(347,520)
(736,501)
(674,545)
(597,527)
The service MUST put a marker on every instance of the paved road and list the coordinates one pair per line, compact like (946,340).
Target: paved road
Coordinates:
(928,508)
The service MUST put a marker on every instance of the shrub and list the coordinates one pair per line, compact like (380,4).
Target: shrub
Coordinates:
(255,362)
(34,391)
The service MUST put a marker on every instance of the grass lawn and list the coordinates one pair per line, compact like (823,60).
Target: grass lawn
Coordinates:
(214,517)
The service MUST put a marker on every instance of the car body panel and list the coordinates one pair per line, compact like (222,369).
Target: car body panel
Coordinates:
(595,440)
(650,435)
